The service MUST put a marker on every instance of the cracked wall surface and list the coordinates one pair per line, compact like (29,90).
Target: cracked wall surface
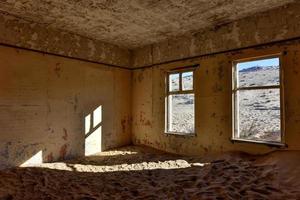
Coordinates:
(270,26)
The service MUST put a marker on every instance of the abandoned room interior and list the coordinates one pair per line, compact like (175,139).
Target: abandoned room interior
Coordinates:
(149,99)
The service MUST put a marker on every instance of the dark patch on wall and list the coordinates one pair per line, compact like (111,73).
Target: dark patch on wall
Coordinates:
(49,157)
(75,103)
(232,53)
(123,124)
(148,123)
(5,152)
(49,129)
(48,105)
(65,136)
(57,70)
(220,70)
(147,142)
(213,115)
(141,76)
(63,151)
(217,87)
(142,117)
(29,105)
(143,120)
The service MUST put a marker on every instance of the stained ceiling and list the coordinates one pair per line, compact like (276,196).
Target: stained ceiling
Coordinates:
(134,23)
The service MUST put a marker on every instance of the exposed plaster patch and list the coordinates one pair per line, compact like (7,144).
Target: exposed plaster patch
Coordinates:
(193,47)
(34,36)
(281,33)
(257,37)
(235,34)
(92,48)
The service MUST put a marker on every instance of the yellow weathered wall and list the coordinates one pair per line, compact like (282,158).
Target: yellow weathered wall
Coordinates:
(213,103)
(44,100)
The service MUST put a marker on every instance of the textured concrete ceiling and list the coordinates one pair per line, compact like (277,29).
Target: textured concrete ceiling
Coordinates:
(134,23)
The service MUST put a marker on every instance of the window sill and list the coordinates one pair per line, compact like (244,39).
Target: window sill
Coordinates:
(272,144)
(181,134)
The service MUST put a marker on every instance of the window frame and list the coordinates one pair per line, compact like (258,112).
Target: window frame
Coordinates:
(235,89)
(179,71)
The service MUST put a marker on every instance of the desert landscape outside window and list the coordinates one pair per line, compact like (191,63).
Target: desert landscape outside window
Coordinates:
(180,102)
(257,101)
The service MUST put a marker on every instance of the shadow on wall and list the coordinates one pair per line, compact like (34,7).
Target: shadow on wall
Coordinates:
(93,139)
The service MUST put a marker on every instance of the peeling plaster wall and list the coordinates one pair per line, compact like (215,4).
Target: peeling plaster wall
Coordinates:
(213,103)
(135,23)
(44,100)
(274,25)
(25,34)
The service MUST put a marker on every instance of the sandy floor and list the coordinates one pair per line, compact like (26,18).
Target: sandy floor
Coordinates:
(143,173)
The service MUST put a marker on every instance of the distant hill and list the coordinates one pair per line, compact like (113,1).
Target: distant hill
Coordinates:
(257,68)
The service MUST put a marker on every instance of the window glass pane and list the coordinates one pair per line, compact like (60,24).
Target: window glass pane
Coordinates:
(258,73)
(173,82)
(181,113)
(259,115)
(187,81)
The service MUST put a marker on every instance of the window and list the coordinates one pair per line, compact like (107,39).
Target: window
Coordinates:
(257,100)
(180,102)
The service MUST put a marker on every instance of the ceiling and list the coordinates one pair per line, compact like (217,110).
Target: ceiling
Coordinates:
(134,23)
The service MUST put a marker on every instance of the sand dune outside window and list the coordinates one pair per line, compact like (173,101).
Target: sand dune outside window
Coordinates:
(180,102)
(257,100)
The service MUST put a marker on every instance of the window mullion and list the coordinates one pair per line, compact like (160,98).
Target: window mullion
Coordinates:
(259,87)
(181,92)
(180,81)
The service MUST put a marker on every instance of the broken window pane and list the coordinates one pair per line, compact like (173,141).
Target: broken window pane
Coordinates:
(181,113)
(173,82)
(258,73)
(259,115)
(187,81)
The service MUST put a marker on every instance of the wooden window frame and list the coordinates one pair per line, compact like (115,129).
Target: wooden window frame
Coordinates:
(179,71)
(235,89)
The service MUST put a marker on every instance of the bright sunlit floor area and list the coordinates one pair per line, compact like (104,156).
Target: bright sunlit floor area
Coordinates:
(143,173)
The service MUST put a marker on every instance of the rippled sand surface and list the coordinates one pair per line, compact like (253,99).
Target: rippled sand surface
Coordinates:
(143,173)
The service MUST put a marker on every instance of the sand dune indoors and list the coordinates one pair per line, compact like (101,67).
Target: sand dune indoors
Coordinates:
(144,173)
